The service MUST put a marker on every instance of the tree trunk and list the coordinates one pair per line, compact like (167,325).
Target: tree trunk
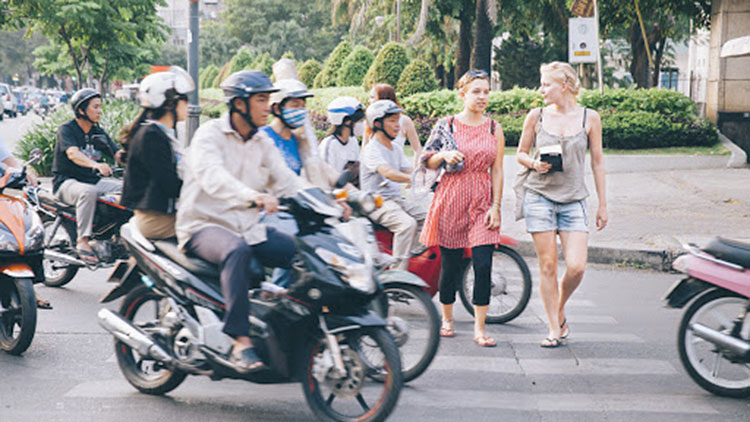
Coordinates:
(422,24)
(639,67)
(463,52)
(659,56)
(103,78)
(481,52)
(63,33)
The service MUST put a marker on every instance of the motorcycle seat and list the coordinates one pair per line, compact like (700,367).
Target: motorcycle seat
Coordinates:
(729,250)
(195,265)
(47,198)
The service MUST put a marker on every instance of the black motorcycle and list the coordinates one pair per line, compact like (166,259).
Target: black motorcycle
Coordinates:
(61,258)
(318,332)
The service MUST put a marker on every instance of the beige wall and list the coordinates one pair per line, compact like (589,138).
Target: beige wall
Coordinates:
(728,78)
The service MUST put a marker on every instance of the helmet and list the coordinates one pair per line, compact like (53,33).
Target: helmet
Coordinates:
(287,89)
(343,107)
(156,88)
(380,109)
(246,83)
(81,97)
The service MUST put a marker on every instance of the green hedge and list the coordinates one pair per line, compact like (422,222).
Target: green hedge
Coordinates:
(264,63)
(208,76)
(329,75)
(241,60)
(115,115)
(643,129)
(223,73)
(388,65)
(355,66)
(323,96)
(308,71)
(417,77)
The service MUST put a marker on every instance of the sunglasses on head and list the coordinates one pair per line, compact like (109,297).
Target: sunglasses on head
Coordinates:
(477,73)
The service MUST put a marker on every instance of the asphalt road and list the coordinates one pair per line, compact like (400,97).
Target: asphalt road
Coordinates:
(620,364)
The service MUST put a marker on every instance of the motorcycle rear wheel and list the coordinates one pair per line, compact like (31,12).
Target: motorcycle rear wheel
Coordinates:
(510,288)
(343,400)
(56,274)
(709,366)
(17,314)
(143,373)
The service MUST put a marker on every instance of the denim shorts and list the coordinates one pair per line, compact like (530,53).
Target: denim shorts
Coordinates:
(543,215)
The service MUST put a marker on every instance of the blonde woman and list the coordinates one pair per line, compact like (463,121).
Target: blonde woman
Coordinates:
(552,192)
(465,212)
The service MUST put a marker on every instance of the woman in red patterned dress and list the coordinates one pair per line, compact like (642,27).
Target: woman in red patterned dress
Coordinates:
(465,212)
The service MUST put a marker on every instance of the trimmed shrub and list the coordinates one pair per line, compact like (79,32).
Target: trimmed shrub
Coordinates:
(642,129)
(209,74)
(329,75)
(223,74)
(432,104)
(308,71)
(355,67)
(516,100)
(212,102)
(388,65)
(323,96)
(115,115)
(663,101)
(416,77)
(318,80)
(241,60)
(264,63)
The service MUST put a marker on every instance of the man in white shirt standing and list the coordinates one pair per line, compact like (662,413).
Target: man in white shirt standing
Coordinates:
(229,167)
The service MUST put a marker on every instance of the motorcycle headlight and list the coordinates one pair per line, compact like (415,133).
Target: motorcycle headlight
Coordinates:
(358,275)
(35,234)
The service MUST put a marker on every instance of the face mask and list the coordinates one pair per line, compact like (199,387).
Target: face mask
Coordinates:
(294,117)
(359,129)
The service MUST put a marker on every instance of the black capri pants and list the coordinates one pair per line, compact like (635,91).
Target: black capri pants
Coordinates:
(452,268)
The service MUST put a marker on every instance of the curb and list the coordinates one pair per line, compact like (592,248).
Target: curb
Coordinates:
(660,260)
(738,159)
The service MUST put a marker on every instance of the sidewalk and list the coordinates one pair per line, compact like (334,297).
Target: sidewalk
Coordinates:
(654,204)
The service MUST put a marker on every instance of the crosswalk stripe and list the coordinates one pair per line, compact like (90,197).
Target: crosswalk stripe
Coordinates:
(552,366)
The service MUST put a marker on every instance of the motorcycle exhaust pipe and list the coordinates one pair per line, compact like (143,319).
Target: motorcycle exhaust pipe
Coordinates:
(733,344)
(131,335)
(65,259)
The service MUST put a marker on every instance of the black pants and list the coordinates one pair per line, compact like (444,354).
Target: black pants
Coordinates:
(239,264)
(452,268)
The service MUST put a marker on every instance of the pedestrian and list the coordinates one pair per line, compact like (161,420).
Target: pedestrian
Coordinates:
(465,212)
(407,131)
(152,181)
(551,192)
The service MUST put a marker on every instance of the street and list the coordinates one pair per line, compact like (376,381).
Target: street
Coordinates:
(620,363)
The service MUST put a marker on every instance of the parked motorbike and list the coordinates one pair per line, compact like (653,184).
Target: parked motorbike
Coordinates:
(61,258)
(21,246)
(319,331)
(714,334)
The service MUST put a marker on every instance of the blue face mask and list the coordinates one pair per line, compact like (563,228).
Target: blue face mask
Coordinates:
(294,117)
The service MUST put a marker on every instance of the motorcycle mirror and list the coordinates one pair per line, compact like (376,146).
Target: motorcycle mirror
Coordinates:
(343,179)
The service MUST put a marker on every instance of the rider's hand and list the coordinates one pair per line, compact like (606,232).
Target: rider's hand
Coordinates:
(120,157)
(540,166)
(452,157)
(103,169)
(346,207)
(31,179)
(269,203)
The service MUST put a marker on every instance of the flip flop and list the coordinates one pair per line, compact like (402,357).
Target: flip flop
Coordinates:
(88,256)
(43,304)
(246,361)
(485,341)
(565,329)
(447,331)
(551,343)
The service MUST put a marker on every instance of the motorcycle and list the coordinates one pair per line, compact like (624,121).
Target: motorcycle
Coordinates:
(61,258)
(318,332)
(21,247)
(713,338)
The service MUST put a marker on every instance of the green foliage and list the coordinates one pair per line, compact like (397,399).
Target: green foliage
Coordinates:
(323,96)
(416,77)
(264,63)
(308,71)
(217,45)
(318,80)
(207,77)
(642,129)
(519,57)
(212,102)
(288,55)
(355,66)
(514,100)
(242,60)
(663,101)
(329,74)
(223,73)
(115,115)
(432,104)
(512,127)
(388,65)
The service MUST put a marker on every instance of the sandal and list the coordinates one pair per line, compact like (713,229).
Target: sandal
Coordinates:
(447,329)
(246,361)
(485,341)
(551,343)
(43,304)
(564,329)
(88,256)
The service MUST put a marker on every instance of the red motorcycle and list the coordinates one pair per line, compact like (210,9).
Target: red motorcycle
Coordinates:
(511,279)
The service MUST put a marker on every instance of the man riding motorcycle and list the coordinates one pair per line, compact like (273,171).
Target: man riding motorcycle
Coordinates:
(383,170)
(77,166)
(228,167)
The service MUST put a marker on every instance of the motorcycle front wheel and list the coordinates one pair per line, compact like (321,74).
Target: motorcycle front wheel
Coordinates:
(145,308)
(510,288)
(17,314)
(713,368)
(353,396)
(58,274)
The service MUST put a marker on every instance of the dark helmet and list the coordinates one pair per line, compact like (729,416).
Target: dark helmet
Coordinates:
(246,83)
(81,97)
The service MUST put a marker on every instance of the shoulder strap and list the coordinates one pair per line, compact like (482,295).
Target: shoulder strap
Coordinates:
(450,123)
(492,126)
(541,114)
(584,118)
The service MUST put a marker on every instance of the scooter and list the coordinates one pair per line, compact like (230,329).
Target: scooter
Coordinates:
(61,258)
(713,338)
(21,248)
(318,332)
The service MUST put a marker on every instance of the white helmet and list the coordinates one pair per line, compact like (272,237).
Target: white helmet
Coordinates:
(343,107)
(289,88)
(380,109)
(154,89)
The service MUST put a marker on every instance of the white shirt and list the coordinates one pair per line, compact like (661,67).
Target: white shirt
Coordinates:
(337,154)
(374,155)
(223,174)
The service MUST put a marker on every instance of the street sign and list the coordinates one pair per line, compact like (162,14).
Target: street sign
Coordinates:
(583,8)
(583,40)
